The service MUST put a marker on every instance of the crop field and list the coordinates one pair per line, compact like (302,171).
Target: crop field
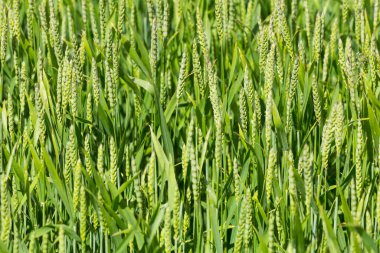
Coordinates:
(189,126)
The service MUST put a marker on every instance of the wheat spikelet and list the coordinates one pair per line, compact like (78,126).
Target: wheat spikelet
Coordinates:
(269,77)
(377,211)
(236,180)
(151,178)
(16,19)
(284,30)
(198,78)
(271,232)
(94,27)
(201,35)
(16,239)
(333,37)
(103,224)
(153,50)
(353,199)
(272,162)
(243,112)
(241,226)
(100,161)
(279,67)
(5,210)
(30,19)
(149,7)
(182,76)
(64,28)
(87,153)
(45,243)
(248,88)
(215,102)
(194,174)
(70,25)
(159,16)
(279,226)
(66,82)
(372,63)
(258,109)
(325,64)
(61,240)
(77,183)
(358,160)
(113,161)
(59,92)
(137,185)
(248,220)
(375,13)
(316,99)
(292,184)
(351,81)
(167,230)
(291,93)
(341,56)
(344,11)
(127,163)
(186,224)
(15,200)
(32,242)
(368,222)
(84,12)
(16,67)
(219,19)
(53,30)
(327,136)
(338,122)
(71,156)
(163,90)
(176,214)
(74,92)
(110,87)
(40,116)
(83,217)
(94,218)
(306,161)
(263,48)
(121,17)
(4,36)
(349,55)
(165,21)
(102,20)
(11,117)
(231,17)
(317,37)
(254,128)
(189,141)
(95,82)
(358,21)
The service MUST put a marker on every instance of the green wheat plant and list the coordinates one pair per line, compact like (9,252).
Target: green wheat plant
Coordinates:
(189,126)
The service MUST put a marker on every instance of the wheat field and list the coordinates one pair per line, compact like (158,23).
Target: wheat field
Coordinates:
(189,126)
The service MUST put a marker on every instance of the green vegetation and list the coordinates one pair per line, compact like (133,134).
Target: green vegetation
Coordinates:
(189,126)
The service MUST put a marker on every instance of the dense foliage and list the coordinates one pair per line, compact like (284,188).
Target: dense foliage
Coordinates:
(189,126)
